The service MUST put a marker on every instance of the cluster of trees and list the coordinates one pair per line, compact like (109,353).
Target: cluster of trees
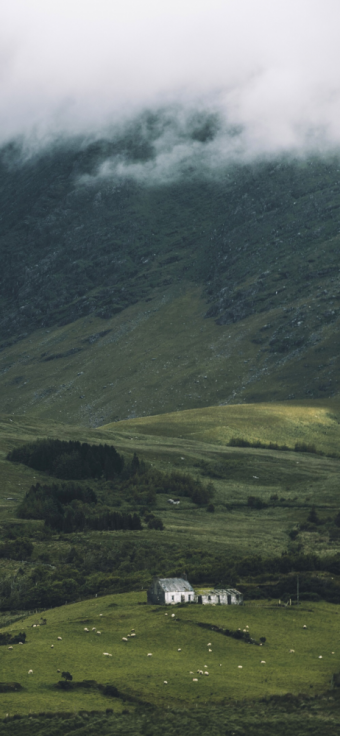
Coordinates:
(45,501)
(18,549)
(109,520)
(144,486)
(298,447)
(69,507)
(69,460)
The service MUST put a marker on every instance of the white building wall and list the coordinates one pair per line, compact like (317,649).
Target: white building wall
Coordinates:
(177,597)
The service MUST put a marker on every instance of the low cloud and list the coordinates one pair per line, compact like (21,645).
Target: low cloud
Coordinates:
(267,73)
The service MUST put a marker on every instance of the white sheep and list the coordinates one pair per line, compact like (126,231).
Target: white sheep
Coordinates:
(209,650)
(179,650)
(320,656)
(30,672)
(59,638)
(98,632)
(304,626)
(263,661)
(124,638)
(150,654)
(200,672)
(133,629)
(239,666)
(165,682)
(291,651)
(100,614)
(20,642)
(86,629)
(93,628)
(173,615)
(206,673)
(132,634)
(209,644)
(106,654)
(10,647)
(194,679)
(34,626)
(52,646)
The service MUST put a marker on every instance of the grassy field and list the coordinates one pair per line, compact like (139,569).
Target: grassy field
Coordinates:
(237,670)
(193,442)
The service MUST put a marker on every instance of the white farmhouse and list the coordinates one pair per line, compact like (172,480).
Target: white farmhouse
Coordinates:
(168,591)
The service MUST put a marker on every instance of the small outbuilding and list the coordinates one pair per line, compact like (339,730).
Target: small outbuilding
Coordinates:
(168,591)
(220,597)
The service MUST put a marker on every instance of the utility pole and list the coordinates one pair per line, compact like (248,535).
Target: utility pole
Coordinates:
(297,591)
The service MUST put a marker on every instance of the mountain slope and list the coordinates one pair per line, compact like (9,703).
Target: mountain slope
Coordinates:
(230,274)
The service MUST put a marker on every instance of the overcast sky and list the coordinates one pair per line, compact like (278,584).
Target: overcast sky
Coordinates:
(78,65)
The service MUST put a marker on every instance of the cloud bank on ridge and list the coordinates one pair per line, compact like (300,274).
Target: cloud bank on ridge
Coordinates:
(268,70)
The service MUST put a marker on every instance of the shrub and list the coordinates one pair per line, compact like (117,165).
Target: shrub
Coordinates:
(156,523)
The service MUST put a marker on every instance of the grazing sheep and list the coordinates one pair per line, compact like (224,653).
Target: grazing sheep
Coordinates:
(209,645)
(206,673)
(58,670)
(200,672)
(100,614)
(132,634)
(94,628)
(239,666)
(98,632)
(194,679)
(172,615)
(52,646)
(34,626)
(165,682)
(179,650)
(291,651)
(133,629)
(59,638)
(124,638)
(150,654)
(206,666)
(165,614)
(332,652)
(191,673)
(30,672)
(320,656)
(10,647)
(106,654)
(86,629)
(20,642)
(209,650)
(262,661)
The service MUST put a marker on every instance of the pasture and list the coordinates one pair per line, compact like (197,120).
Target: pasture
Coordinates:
(293,659)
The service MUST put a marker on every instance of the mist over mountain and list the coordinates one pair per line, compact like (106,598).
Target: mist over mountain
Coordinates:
(109,234)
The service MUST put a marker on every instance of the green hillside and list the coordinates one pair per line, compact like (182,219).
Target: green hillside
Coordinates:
(178,645)
(210,288)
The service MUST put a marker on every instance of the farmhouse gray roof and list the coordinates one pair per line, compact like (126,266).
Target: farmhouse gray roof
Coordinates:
(175,585)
